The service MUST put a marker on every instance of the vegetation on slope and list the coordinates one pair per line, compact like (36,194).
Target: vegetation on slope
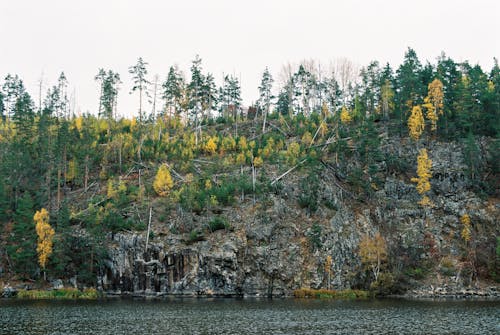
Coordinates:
(200,154)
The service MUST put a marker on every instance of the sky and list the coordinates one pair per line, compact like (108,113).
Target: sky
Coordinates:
(39,39)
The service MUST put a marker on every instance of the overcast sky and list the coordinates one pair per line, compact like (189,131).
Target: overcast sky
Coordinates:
(236,37)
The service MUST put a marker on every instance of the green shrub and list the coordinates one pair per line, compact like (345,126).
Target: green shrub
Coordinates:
(384,285)
(195,235)
(64,293)
(218,223)
(416,273)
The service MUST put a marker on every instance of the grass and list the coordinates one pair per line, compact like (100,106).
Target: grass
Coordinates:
(65,293)
(330,294)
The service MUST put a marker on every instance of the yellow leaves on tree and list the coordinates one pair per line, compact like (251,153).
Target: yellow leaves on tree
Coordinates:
(45,236)
(257,162)
(163,181)
(228,144)
(416,123)
(328,270)
(373,252)
(242,143)
(72,171)
(211,145)
(434,102)
(292,153)
(79,123)
(307,138)
(424,166)
(345,116)
(269,148)
(323,128)
(466,230)
(241,158)
(111,192)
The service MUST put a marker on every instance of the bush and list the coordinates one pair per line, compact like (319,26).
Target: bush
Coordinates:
(384,285)
(218,223)
(195,235)
(416,273)
(308,197)
(64,293)
(330,294)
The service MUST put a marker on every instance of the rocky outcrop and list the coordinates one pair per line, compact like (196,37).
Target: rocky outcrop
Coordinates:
(274,247)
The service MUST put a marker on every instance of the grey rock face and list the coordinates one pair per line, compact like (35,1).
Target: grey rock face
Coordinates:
(280,248)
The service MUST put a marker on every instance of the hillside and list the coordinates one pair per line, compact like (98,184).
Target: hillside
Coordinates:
(371,193)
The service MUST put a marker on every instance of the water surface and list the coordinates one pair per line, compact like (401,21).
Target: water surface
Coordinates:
(249,316)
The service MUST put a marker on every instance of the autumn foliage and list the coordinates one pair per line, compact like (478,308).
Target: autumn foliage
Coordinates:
(45,236)
(163,181)
(424,166)
(373,252)
(416,123)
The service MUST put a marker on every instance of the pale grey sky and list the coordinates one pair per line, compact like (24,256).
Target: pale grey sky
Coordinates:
(237,37)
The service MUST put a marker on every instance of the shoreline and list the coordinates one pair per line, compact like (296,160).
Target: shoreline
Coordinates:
(74,294)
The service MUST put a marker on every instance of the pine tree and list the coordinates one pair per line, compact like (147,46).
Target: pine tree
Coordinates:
(22,241)
(266,97)
(172,92)
(109,82)
(139,73)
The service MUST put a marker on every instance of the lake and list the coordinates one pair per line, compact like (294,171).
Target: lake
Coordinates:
(249,316)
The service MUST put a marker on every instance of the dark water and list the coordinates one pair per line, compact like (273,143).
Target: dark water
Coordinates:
(231,316)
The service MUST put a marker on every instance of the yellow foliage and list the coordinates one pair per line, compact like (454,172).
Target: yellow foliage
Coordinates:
(241,158)
(257,162)
(211,145)
(328,264)
(434,102)
(163,181)
(292,153)
(416,123)
(345,116)
(242,143)
(424,166)
(208,184)
(466,230)
(307,138)
(72,170)
(122,187)
(431,113)
(436,95)
(79,123)
(111,192)
(373,252)
(228,144)
(323,128)
(268,149)
(45,236)
(213,200)
(491,86)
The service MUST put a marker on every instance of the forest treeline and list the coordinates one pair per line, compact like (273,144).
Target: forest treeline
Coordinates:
(194,146)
